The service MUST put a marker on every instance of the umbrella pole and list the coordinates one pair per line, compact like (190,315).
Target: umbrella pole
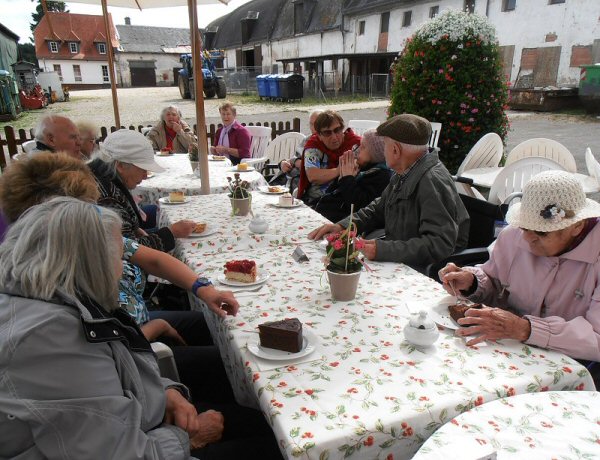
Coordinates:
(111,65)
(199,96)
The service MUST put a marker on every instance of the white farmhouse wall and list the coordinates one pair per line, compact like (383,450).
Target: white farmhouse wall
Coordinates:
(91,71)
(573,23)
(163,67)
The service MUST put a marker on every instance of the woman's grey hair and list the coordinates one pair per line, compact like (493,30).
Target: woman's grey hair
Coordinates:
(64,248)
(87,127)
(375,145)
(110,162)
(164,111)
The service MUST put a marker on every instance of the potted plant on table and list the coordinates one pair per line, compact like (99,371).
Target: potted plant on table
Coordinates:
(193,155)
(343,262)
(239,195)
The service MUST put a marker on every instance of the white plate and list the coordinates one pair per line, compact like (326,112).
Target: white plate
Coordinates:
(440,314)
(296,204)
(265,190)
(212,158)
(250,169)
(161,154)
(165,200)
(209,230)
(308,346)
(260,278)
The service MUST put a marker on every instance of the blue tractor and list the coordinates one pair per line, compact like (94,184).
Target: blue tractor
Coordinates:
(213,84)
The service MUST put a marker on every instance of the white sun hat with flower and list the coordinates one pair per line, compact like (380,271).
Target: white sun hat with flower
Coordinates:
(552,200)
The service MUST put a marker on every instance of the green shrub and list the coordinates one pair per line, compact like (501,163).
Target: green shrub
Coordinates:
(450,72)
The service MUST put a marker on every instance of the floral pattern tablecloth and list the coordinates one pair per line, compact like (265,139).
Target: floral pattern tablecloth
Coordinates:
(553,425)
(180,177)
(367,393)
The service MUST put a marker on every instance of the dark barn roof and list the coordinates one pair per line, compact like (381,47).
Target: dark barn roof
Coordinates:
(229,33)
(351,7)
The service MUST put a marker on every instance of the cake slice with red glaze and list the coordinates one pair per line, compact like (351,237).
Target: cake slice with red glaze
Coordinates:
(243,271)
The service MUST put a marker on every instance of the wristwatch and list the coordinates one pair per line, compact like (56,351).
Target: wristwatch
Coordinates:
(200,282)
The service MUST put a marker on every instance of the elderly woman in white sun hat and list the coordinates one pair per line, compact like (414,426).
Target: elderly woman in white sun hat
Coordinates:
(545,266)
(122,162)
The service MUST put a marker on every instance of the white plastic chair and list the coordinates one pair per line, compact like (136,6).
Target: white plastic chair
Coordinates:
(28,146)
(513,177)
(543,148)
(281,148)
(261,136)
(166,361)
(591,163)
(145,130)
(436,129)
(360,126)
(486,153)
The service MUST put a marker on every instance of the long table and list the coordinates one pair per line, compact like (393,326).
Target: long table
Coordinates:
(364,392)
(180,177)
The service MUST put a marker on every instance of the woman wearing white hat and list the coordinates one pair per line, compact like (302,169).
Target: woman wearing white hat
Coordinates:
(545,266)
(122,163)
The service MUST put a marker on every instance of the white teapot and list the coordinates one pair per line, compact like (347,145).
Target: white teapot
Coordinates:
(258,225)
(421,330)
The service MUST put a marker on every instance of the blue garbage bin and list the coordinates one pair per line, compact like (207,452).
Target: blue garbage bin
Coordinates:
(273,86)
(262,85)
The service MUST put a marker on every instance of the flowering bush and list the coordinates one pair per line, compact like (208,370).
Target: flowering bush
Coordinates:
(238,188)
(342,251)
(450,72)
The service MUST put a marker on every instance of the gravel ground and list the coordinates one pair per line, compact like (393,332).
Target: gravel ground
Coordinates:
(143,106)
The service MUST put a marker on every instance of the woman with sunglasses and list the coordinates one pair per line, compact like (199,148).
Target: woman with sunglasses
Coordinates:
(542,281)
(322,151)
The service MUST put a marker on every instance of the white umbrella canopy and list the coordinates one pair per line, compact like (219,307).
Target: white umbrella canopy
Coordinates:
(196,46)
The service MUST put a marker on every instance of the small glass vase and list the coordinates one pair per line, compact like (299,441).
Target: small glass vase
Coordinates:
(343,285)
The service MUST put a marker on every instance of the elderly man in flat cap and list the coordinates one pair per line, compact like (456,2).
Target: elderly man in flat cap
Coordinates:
(423,216)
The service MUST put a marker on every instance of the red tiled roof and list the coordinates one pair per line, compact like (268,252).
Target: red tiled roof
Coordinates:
(86,29)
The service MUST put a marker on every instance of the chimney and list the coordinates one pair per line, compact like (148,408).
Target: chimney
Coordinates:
(127,21)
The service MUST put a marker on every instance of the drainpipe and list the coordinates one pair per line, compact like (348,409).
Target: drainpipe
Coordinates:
(487,8)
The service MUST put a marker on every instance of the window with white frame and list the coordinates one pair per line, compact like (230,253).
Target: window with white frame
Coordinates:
(407,18)
(58,70)
(77,72)
(53,47)
(73,47)
(361,28)
(105,74)
(434,11)
(102,48)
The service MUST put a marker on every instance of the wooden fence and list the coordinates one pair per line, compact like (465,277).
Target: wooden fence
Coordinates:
(12,139)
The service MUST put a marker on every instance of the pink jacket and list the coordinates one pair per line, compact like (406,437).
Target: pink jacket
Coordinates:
(560,296)
(239,138)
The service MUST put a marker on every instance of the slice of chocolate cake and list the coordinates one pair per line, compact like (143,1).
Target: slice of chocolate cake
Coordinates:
(457,311)
(285,335)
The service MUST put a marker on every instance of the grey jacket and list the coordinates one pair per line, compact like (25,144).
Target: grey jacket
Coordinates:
(424,219)
(79,384)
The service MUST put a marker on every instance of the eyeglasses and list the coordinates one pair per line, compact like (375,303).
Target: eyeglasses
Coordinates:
(329,132)
(540,234)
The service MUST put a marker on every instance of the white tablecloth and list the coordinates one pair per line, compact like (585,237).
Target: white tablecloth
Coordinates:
(368,394)
(554,425)
(179,177)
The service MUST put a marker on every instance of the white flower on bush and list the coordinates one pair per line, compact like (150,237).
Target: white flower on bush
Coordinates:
(458,26)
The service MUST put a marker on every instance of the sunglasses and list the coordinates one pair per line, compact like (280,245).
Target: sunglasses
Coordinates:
(540,234)
(329,132)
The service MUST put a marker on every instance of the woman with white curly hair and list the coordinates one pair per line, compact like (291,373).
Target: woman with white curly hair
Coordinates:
(171,133)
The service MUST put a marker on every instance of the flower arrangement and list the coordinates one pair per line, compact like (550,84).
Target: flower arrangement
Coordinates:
(342,251)
(238,189)
(555,214)
(450,72)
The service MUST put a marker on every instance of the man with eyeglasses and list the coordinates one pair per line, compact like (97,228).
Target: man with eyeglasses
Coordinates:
(425,220)
(321,155)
